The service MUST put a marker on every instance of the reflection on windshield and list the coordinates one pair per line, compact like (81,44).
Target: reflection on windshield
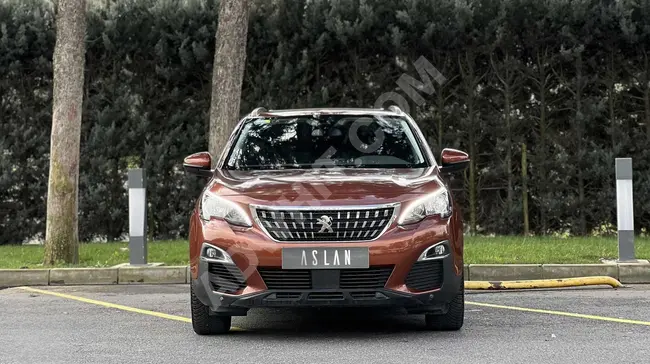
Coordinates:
(329,141)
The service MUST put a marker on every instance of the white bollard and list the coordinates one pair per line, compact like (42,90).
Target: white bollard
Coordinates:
(625,209)
(137,217)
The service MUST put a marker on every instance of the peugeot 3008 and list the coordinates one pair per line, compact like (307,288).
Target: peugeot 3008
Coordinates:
(326,208)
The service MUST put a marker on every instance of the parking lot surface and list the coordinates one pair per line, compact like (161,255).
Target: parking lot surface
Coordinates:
(150,324)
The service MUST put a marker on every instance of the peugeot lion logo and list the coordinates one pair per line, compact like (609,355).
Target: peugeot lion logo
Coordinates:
(325,223)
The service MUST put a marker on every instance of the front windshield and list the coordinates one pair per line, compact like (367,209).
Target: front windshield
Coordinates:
(303,142)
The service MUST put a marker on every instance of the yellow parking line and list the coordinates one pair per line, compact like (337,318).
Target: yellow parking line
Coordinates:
(187,320)
(562,313)
(116,306)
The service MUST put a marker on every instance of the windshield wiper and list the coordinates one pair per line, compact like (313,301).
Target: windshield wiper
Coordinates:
(384,166)
(271,167)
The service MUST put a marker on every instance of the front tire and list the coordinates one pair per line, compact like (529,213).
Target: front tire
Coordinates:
(453,319)
(203,322)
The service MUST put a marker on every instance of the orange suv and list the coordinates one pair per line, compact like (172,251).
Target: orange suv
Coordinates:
(326,208)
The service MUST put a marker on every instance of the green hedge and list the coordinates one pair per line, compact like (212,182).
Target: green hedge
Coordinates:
(147,94)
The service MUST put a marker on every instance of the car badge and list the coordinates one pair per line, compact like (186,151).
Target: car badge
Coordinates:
(325,223)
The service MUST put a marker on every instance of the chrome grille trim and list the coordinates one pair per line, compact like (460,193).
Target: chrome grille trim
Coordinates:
(307,212)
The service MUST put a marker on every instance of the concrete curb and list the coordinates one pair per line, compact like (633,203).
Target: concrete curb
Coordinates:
(78,276)
(152,275)
(24,277)
(505,272)
(557,271)
(625,272)
(634,273)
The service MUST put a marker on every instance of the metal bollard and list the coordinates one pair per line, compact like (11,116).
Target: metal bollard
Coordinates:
(137,217)
(624,209)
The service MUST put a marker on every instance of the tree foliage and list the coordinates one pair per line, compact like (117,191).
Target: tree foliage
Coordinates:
(570,79)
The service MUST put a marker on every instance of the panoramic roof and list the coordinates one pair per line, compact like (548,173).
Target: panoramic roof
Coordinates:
(345,111)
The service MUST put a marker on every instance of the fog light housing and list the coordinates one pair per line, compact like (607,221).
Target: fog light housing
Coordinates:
(215,254)
(212,253)
(437,251)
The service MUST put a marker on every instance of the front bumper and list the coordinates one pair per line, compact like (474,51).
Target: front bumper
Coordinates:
(399,247)
(329,294)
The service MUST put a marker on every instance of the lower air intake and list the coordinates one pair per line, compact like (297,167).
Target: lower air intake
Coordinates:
(425,276)
(226,278)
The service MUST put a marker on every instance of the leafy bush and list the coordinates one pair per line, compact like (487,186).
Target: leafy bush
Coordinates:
(567,78)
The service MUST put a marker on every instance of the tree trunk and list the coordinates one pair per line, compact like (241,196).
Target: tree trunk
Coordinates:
(646,92)
(470,82)
(472,188)
(646,108)
(441,104)
(580,141)
(510,192)
(228,72)
(543,180)
(62,231)
(507,77)
(646,104)
(524,188)
(611,95)
(473,155)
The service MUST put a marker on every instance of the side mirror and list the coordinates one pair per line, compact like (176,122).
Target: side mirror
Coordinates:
(453,160)
(199,164)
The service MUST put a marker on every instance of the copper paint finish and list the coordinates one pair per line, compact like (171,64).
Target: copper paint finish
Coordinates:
(452,156)
(398,246)
(200,160)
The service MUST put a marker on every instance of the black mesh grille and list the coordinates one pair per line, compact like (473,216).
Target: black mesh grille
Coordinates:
(370,295)
(425,275)
(286,278)
(325,225)
(287,295)
(226,278)
(300,279)
(373,277)
(326,296)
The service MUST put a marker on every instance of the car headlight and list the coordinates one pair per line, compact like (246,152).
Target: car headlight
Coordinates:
(436,203)
(215,207)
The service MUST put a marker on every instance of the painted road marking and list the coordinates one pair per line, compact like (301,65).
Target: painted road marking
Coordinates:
(561,313)
(187,320)
(116,306)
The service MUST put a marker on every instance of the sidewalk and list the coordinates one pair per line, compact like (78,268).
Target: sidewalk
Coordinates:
(625,273)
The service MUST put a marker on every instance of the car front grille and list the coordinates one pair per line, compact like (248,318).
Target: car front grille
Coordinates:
(317,296)
(425,275)
(226,278)
(292,297)
(369,295)
(301,279)
(373,277)
(287,295)
(286,278)
(359,224)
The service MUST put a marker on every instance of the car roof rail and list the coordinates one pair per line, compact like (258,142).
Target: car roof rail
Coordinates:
(258,111)
(395,109)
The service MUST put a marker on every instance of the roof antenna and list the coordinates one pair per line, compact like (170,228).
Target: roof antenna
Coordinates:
(395,109)
(258,111)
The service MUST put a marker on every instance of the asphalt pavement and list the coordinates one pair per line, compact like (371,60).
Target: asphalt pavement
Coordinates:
(149,324)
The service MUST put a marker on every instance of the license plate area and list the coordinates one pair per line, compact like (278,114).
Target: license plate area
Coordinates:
(325,258)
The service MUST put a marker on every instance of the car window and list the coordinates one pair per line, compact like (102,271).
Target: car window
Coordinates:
(304,142)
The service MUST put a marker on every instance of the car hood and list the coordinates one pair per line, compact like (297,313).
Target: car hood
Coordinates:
(325,185)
